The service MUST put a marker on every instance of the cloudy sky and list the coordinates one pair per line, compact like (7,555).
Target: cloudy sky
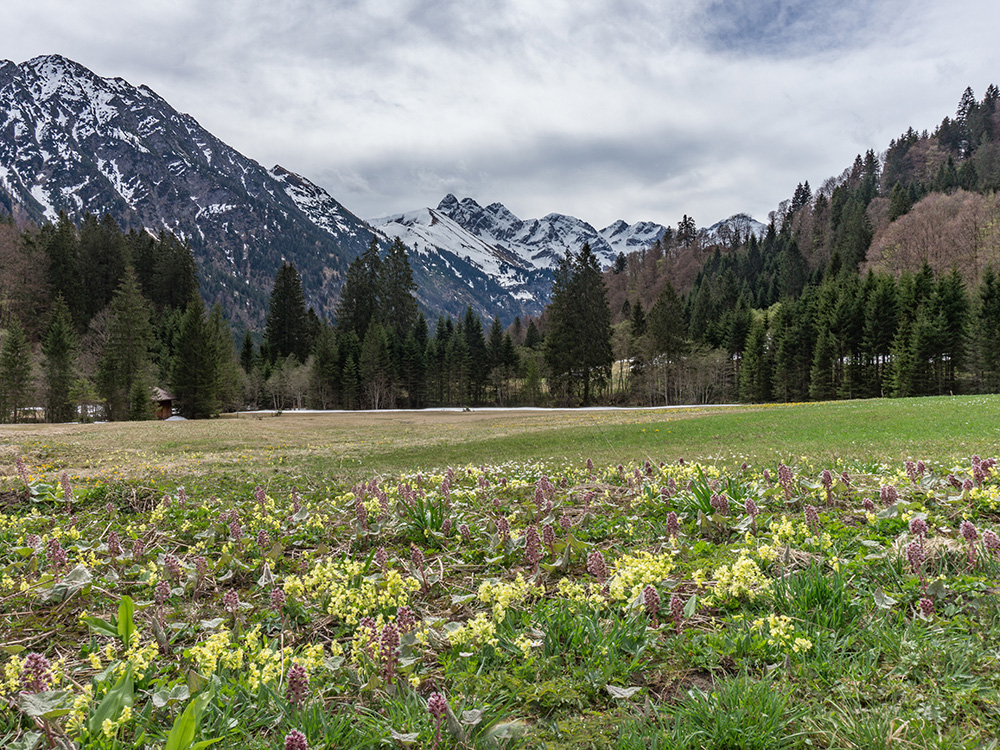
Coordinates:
(603,109)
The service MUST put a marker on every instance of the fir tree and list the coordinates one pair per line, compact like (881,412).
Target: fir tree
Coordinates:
(287,327)
(15,373)
(58,349)
(578,348)
(124,372)
(195,372)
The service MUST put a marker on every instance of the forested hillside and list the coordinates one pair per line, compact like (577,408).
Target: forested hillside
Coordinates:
(881,282)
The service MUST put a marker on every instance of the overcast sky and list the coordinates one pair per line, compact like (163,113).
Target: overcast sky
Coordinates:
(602,109)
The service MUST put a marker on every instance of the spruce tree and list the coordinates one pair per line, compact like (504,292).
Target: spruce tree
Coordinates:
(287,327)
(194,376)
(532,338)
(374,368)
(58,348)
(15,373)
(103,257)
(755,374)
(248,357)
(124,372)
(358,305)
(397,305)
(324,369)
(987,330)
(578,348)
(229,377)
(62,249)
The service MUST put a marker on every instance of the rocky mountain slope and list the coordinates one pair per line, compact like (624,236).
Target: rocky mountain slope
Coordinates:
(74,142)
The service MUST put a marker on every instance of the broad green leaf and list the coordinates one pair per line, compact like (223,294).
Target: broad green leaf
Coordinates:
(111,705)
(186,725)
(618,692)
(691,606)
(30,741)
(100,626)
(406,738)
(50,704)
(882,600)
(195,682)
(126,621)
(76,580)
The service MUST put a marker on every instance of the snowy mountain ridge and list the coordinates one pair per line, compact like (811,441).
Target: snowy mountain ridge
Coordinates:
(73,142)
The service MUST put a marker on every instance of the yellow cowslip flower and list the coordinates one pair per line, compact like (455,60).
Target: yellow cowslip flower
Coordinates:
(502,594)
(801,645)
(95,661)
(480,630)
(634,572)
(742,578)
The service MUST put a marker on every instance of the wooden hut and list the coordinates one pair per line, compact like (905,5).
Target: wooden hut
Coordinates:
(164,403)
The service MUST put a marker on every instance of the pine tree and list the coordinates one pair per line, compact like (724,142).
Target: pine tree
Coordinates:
(229,376)
(578,347)
(58,348)
(124,372)
(397,305)
(287,326)
(358,305)
(324,370)
(15,373)
(194,376)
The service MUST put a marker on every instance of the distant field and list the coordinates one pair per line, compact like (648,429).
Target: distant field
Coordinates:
(356,444)
(522,579)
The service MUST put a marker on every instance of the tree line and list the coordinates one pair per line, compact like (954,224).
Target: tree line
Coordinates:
(882,282)
(382,353)
(93,319)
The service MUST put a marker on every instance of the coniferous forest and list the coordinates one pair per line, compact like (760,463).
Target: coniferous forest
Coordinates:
(882,282)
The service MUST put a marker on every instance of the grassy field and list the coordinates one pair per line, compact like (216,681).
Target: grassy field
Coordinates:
(358,445)
(807,575)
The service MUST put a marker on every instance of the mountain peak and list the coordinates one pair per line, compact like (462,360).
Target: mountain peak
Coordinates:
(448,203)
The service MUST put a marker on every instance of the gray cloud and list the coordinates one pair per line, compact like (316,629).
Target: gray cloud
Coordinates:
(636,109)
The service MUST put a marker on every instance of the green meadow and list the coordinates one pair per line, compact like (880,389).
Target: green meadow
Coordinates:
(818,575)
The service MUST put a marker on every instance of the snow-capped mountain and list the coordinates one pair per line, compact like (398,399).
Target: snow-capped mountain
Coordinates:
(74,142)
(519,254)
(543,241)
(736,228)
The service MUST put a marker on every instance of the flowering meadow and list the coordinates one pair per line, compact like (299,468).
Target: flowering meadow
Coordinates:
(665,604)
